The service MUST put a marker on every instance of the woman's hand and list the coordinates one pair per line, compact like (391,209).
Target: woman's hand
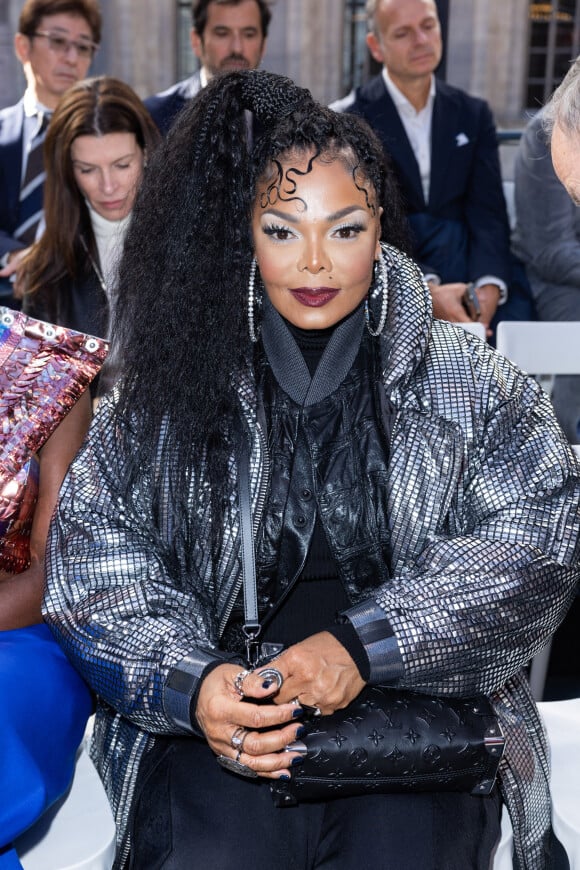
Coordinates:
(222,713)
(318,672)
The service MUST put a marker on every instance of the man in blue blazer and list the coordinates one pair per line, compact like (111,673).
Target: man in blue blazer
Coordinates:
(226,35)
(55,44)
(442,144)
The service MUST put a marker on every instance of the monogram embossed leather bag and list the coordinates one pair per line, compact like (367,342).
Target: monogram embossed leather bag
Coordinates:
(392,740)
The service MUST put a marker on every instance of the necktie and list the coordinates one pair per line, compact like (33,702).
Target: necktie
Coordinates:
(30,210)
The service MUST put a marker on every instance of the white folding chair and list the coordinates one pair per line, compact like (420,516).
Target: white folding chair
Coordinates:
(541,348)
(562,722)
(474,327)
(78,832)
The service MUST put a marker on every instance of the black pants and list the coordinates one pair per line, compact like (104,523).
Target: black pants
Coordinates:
(190,814)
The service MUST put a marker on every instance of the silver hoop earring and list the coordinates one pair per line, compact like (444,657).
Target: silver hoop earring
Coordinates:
(252,302)
(379,287)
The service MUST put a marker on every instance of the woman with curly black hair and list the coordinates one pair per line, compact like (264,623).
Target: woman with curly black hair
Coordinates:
(408,498)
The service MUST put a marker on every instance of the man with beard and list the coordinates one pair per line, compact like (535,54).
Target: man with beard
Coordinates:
(226,35)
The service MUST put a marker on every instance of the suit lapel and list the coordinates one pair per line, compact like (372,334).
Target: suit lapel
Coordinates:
(382,115)
(11,143)
(444,126)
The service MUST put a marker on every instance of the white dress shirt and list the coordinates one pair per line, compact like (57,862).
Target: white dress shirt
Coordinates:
(417,126)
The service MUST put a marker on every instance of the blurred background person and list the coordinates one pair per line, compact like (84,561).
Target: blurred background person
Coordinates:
(549,174)
(95,153)
(547,240)
(443,146)
(55,43)
(226,35)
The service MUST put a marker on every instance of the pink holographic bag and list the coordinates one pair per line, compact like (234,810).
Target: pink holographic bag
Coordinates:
(43,371)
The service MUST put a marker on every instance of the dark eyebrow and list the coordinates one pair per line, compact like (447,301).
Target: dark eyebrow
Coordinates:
(336,216)
(58,30)
(116,160)
(343,212)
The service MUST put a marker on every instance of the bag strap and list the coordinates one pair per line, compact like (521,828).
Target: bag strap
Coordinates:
(251,627)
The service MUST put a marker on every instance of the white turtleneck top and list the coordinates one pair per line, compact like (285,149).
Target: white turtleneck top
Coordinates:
(109,238)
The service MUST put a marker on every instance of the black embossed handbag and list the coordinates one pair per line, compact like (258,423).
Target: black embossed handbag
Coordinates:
(387,739)
(392,740)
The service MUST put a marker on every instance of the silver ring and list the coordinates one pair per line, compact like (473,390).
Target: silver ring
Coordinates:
(238,737)
(272,674)
(239,682)
(309,709)
(234,765)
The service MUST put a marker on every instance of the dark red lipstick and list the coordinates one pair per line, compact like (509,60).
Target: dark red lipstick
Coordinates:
(314,297)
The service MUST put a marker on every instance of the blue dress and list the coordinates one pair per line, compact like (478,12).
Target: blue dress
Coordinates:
(44,707)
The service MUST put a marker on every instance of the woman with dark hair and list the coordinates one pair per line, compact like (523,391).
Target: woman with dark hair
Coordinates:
(95,152)
(414,507)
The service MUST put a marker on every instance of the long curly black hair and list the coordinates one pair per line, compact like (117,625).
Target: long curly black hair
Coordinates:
(181,334)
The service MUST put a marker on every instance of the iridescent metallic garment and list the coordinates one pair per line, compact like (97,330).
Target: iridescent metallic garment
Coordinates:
(43,371)
(484,503)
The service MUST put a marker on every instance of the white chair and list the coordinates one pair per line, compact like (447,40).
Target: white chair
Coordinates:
(562,721)
(541,348)
(78,832)
(474,327)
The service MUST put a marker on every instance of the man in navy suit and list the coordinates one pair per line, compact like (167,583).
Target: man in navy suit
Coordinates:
(55,44)
(226,35)
(442,144)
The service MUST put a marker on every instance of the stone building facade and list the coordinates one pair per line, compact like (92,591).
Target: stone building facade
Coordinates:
(487,45)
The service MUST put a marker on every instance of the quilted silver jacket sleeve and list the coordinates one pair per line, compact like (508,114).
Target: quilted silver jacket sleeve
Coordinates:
(484,508)
(133,618)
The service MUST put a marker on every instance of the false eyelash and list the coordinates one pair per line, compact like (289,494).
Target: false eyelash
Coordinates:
(272,229)
(355,227)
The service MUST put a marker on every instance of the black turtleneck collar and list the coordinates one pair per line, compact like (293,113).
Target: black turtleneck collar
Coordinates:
(309,364)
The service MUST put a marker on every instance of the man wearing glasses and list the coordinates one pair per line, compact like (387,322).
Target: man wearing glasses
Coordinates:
(55,44)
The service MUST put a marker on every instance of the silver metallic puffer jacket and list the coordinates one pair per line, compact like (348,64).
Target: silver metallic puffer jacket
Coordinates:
(484,500)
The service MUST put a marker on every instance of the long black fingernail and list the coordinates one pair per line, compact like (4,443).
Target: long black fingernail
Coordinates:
(301,731)
(284,777)
(297,712)
(297,760)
